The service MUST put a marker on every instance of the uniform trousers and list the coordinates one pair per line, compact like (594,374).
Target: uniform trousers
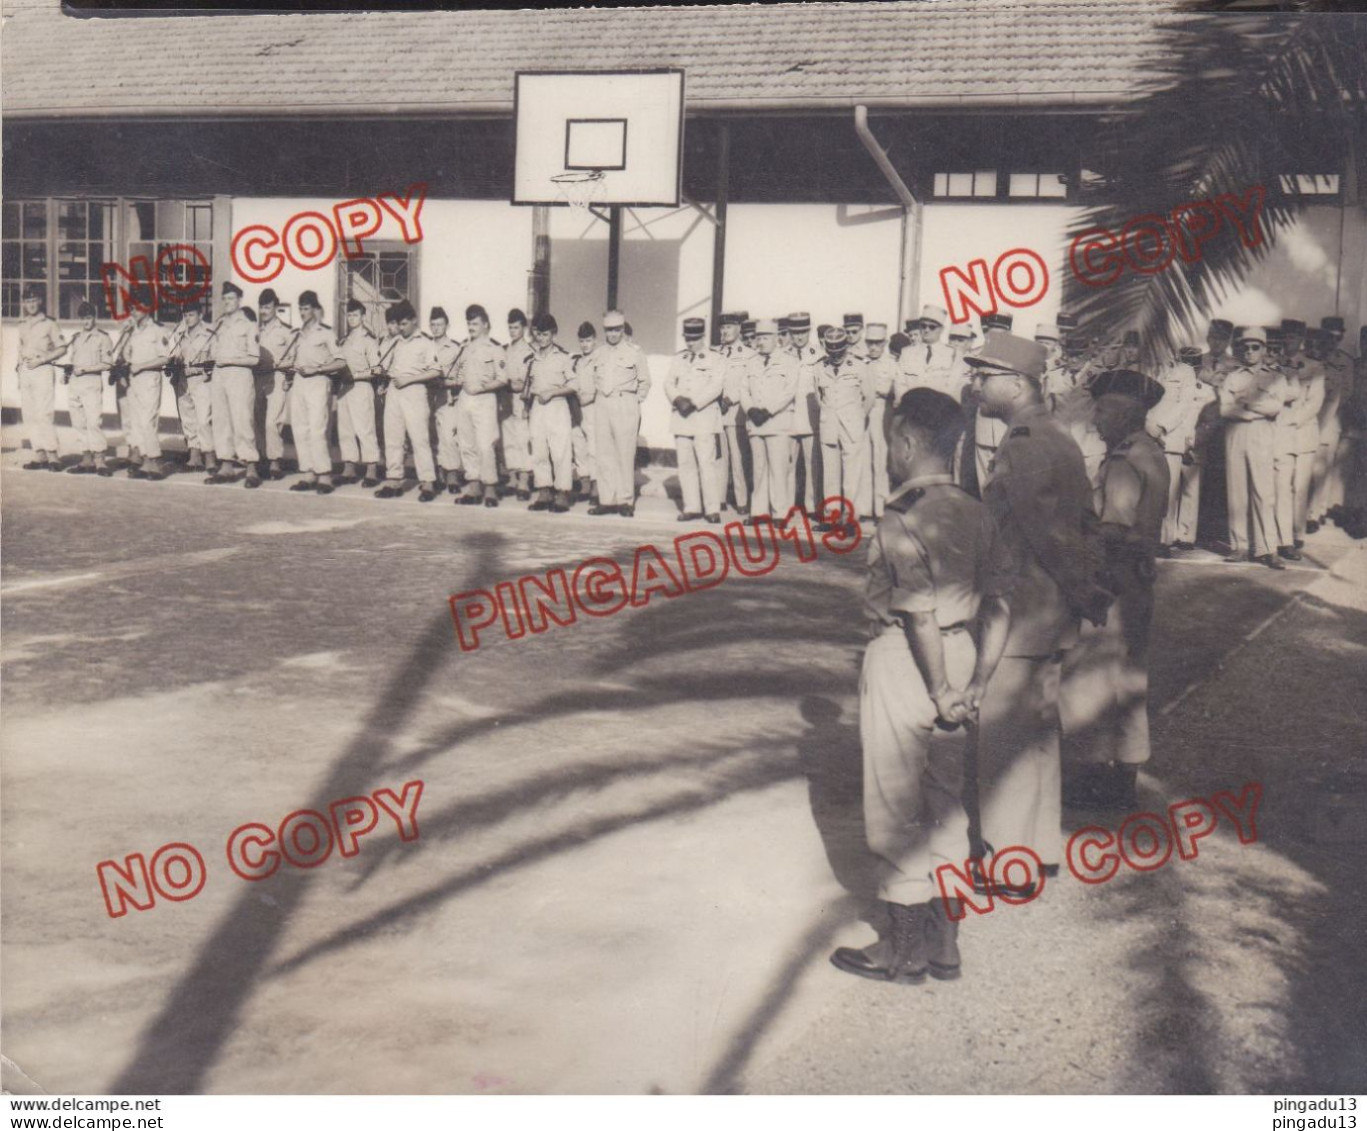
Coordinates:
(1250,482)
(1184,500)
(617,424)
(583,443)
(517,448)
(552,444)
(233,411)
(309,403)
(447,419)
(842,467)
(144,395)
(773,461)
(913,773)
(85,402)
(1302,475)
(1020,785)
(871,487)
(125,412)
(195,402)
(272,402)
(1326,489)
(407,412)
(700,473)
(1104,683)
(356,423)
(37,397)
(477,431)
(806,447)
(734,466)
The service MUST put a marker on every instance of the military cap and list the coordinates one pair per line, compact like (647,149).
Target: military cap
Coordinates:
(997,322)
(310,298)
(748,327)
(586,330)
(250,313)
(627,327)
(834,337)
(852,321)
(898,342)
(1127,383)
(230,288)
(1006,351)
(1251,334)
(798,321)
(401,310)
(1131,337)
(545,322)
(766,326)
(1293,326)
(437,312)
(1067,321)
(614,320)
(1046,330)
(1274,334)
(85,310)
(516,317)
(821,329)
(911,326)
(267,296)
(35,291)
(474,310)
(734,318)
(355,306)
(1319,334)
(693,329)
(934,315)
(1333,324)
(961,330)
(785,325)
(876,332)
(1222,326)
(193,308)
(1190,355)
(391,316)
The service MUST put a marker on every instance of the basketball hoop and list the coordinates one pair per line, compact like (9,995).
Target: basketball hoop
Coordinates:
(579,187)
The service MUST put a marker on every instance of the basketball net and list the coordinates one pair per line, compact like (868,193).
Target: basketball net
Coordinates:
(580,188)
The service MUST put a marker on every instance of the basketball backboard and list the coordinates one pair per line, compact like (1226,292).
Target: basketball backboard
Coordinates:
(622,131)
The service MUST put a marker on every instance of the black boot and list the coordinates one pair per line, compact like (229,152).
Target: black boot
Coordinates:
(942,938)
(900,957)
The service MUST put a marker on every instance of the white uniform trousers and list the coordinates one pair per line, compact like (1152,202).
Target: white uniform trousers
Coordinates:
(733,468)
(356,423)
(616,426)
(37,398)
(233,411)
(700,480)
(1184,500)
(552,444)
(1326,490)
(773,461)
(517,446)
(477,431)
(407,411)
(582,440)
(144,395)
(841,470)
(871,486)
(195,403)
(447,421)
(806,447)
(1020,784)
(914,816)
(85,402)
(1250,482)
(271,413)
(310,399)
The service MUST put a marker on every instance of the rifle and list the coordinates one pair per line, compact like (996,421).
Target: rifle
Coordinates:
(381,373)
(121,370)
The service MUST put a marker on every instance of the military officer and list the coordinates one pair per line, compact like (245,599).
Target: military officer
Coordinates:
(694,387)
(549,387)
(148,351)
(236,352)
(517,447)
(623,383)
(193,387)
(737,356)
(481,370)
(1104,693)
(1251,398)
(880,375)
(1326,491)
(312,358)
(444,400)
(768,397)
(408,408)
(40,344)
(585,367)
(1040,501)
(1174,423)
(91,355)
(853,325)
(807,413)
(921,595)
(356,399)
(840,385)
(747,333)
(930,362)
(1297,440)
(276,338)
(785,334)
(988,431)
(1058,379)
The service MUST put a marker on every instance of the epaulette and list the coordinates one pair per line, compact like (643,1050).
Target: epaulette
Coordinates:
(420,334)
(324,326)
(1018,430)
(1123,447)
(496,342)
(559,348)
(904,503)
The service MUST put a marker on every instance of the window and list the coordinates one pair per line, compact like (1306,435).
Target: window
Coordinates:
(386,273)
(980,184)
(1311,184)
(1051,186)
(24,256)
(61,244)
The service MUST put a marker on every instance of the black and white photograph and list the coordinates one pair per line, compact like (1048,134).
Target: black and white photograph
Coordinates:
(728,549)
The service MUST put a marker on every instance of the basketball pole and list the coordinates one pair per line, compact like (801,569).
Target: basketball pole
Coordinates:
(719,230)
(614,252)
(539,284)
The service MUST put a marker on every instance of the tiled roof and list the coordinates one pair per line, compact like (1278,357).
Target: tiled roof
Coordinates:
(784,56)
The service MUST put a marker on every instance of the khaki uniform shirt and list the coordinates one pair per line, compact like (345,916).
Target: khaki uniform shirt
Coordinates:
(701,377)
(623,369)
(91,351)
(275,339)
(1172,421)
(585,367)
(147,343)
(315,346)
(37,336)
(548,372)
(482,366)
(236,342)
(771,382)
(844,413)
(361,352)
(413,360)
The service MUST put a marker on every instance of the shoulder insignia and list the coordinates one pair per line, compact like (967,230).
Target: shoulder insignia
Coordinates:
(495,342)
(559,348)
(904,503)
(1019,430)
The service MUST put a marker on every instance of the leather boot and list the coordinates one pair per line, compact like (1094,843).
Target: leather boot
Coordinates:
(942,938)
(900,956)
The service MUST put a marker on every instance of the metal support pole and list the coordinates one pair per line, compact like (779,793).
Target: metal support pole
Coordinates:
(614,252)
(539,279)
(719,230)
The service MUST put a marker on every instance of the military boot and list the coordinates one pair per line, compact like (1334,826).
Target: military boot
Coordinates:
(942,937)
(899,956)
